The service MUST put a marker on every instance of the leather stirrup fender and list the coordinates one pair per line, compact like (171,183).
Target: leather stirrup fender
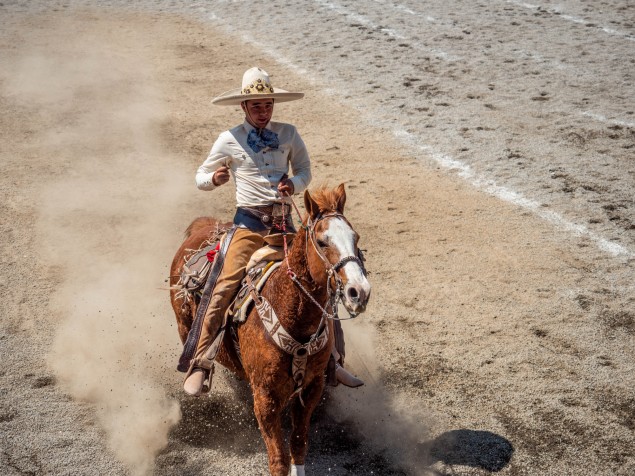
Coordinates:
(195,332)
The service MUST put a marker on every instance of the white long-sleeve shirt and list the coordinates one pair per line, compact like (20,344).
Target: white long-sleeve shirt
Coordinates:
(257,174)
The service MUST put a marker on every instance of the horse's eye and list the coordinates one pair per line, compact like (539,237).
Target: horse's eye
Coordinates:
(322,243)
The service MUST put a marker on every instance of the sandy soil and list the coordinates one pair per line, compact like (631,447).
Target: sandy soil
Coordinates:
(495,341)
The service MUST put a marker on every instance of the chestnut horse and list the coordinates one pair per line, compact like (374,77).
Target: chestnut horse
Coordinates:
(325,268)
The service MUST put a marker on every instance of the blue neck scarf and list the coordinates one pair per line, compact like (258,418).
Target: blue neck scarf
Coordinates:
(266,139)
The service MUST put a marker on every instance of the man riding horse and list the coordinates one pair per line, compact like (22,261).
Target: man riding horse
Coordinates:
(257,153)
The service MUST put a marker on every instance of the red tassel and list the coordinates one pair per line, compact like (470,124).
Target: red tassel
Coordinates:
(211,254)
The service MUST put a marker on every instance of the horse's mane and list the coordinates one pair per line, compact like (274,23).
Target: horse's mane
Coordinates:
(326,199)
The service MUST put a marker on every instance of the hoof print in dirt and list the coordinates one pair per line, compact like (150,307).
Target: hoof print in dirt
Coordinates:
(43,381)
(7,415)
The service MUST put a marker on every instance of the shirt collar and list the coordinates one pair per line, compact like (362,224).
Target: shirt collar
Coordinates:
(248,127)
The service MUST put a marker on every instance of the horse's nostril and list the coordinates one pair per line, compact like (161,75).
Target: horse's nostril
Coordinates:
(352,293)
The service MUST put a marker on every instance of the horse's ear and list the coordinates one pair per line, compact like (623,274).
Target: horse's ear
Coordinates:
(341,198)
(309,204)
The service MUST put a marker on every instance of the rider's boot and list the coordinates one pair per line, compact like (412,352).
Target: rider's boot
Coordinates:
(346,378)
(197,381)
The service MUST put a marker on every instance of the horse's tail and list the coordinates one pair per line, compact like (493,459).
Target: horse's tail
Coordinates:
(198,224)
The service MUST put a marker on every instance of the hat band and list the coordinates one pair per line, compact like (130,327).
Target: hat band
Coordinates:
(257,87)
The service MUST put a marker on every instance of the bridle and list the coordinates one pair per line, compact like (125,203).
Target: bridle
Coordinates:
(320,338)
(335,291)
(332,269)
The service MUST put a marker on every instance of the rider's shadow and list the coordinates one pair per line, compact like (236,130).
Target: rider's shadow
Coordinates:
(475,448)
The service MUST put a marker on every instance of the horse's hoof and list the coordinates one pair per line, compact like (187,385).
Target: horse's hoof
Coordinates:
(193,384)
(346,378)
(297,470)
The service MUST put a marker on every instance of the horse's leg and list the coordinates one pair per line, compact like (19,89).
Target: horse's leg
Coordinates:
(268,409)
(301,416)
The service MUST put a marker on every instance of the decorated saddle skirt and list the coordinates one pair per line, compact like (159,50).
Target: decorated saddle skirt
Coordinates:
(240,307)
(197,267)
(198,279)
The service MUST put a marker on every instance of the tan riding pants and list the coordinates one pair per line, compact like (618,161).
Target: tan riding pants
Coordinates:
(244,243)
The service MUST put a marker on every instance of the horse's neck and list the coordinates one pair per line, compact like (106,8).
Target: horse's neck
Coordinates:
(297,313)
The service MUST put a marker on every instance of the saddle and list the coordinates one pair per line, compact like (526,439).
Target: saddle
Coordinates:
(195,271)
(202,278)
(197,266)
(257,277)
(264,261)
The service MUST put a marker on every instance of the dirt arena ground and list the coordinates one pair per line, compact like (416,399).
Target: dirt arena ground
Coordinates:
(498,338)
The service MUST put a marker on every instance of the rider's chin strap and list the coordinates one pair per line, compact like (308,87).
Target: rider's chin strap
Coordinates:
(250,119)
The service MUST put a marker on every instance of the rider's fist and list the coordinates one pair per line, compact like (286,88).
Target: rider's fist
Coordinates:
(285,187)
(221,176)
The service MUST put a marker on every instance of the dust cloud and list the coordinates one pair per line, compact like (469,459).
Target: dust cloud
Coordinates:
(390,426)
(107,225)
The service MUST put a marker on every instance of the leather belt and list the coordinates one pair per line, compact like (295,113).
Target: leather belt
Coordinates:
(268,214)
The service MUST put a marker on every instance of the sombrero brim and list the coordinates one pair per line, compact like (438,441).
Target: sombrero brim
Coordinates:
(234,97)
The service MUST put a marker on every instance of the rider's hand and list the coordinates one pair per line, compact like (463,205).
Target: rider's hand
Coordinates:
(285,187)
(221,176)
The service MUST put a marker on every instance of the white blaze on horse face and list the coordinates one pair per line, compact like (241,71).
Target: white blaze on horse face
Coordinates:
(341,236)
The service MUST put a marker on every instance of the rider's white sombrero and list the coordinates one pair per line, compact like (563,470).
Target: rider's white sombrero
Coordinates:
(256,85)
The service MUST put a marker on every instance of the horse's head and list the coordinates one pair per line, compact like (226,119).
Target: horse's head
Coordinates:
(332,252)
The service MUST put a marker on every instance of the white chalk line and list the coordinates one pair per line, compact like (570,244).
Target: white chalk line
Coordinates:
(533,56)
(403,8)
(462,169)
(363,20)
(580,21)
(601,118)
(396,6)
(359,18)
(541,60)
(271,51)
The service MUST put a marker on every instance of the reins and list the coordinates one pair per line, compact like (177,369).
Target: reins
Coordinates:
(320,337)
